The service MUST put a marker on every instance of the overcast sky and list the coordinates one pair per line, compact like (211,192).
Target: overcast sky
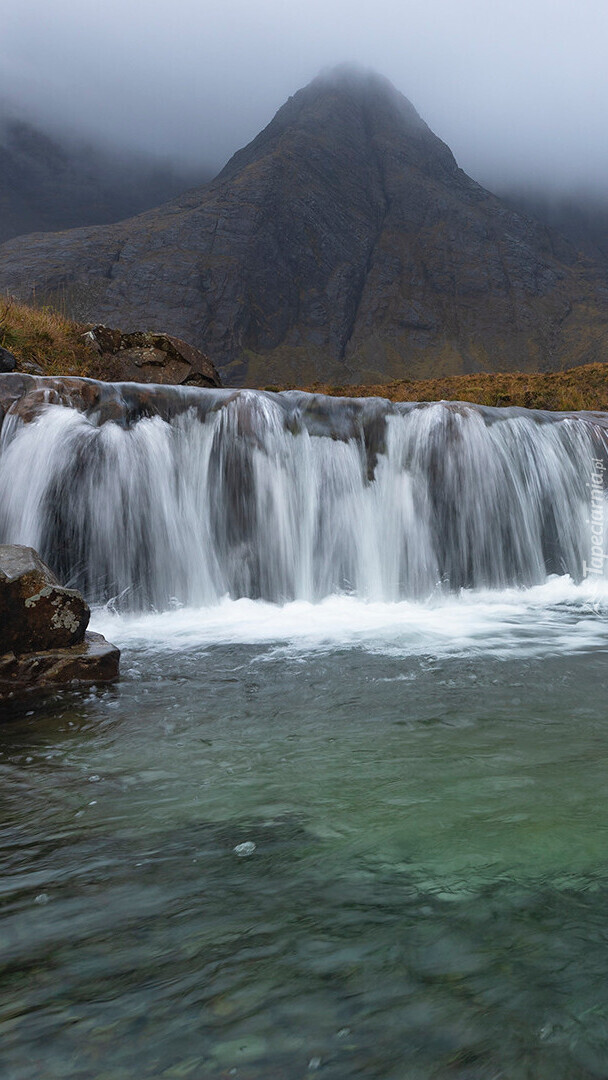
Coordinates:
(519,90)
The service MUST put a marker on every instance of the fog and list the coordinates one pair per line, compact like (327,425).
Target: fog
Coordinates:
(519,90)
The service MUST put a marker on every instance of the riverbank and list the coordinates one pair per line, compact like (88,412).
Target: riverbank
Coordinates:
(43,340)
(576,389)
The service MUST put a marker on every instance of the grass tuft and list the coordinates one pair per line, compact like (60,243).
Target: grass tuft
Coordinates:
(44,337)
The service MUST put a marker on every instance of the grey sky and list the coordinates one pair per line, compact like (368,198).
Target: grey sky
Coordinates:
(518,89)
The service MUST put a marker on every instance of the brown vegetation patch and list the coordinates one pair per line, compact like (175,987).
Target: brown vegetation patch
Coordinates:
(584,387)
(55,343)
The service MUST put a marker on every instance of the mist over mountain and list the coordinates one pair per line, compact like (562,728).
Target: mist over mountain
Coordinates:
(49,182)
(343,243)
(518,91)
(580,216)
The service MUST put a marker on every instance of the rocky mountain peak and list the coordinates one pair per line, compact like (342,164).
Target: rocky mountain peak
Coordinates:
(342,244)
(343,111)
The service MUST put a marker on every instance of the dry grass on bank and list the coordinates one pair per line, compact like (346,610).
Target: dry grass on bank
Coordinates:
(44,337)
(577,388)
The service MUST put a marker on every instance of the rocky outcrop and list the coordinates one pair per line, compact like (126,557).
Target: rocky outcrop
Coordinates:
(150,358)
(343,244)
(43,638)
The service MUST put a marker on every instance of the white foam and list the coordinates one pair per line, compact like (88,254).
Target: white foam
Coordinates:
(556,617)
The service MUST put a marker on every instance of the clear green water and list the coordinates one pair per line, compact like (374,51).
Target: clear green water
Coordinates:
(427,897)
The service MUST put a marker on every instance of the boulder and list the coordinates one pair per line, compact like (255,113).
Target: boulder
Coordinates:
(149,358)
(43,642)
(7,361)
(36,612)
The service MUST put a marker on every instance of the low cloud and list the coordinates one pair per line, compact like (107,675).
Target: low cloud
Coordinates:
(519,91)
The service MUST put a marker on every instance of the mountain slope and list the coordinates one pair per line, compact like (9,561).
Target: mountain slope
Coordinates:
(581,217)
(48,184)
(344,243)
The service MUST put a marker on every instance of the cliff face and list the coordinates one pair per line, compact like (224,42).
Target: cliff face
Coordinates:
(342,244)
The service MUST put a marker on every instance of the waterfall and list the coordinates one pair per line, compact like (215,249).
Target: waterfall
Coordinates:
(195,495)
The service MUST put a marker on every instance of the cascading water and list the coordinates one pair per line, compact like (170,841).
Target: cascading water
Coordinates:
(291,496)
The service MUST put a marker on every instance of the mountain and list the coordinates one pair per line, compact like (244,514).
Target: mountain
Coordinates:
(580,216)
(342,244)
(48,183)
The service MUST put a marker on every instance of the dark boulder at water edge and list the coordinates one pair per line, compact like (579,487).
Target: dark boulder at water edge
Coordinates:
(35,611)
(343,244)
(7,361)
(43,638)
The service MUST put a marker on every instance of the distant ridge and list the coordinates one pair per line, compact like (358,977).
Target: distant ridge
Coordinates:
(47,183)
(343,244)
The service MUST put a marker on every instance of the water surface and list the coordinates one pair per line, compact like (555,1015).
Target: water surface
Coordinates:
(425,787)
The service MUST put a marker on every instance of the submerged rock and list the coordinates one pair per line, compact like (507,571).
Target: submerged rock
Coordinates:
(42,628)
